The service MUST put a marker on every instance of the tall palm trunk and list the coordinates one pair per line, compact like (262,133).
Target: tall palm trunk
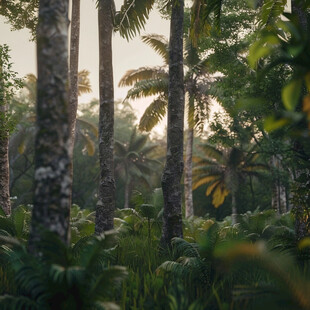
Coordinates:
(301,218)
(188,173)
(52,178)
(74,69)
(106,198)
(172,217)
(127,190)
(233,209)
(5,202)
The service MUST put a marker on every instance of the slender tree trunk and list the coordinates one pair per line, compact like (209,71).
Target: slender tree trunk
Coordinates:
(278,200)
(74,79)
(52,178)
(172,216)
(127,189)
(234,209)
(106,198)
(188,173)
(5,202)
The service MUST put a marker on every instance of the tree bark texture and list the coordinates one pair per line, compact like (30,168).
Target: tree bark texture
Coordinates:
(106,194)
(234,213)
(188,174)
(74,79)
(52,178)
(172,216)
(278,199)
(5,202)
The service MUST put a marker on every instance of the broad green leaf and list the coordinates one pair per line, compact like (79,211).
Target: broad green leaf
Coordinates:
(291,94)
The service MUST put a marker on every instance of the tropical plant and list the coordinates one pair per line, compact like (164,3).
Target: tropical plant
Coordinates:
(133,162)
(223,170)
(62,277)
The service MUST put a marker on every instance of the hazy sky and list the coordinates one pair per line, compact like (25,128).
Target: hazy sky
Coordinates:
(126,55)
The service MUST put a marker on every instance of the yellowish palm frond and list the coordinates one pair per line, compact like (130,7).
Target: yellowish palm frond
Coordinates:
(219,195)
(84,85)
(144,73)
(204,181)
(159,43)
(211,187)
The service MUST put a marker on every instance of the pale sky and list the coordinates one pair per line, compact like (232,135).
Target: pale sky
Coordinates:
(126,55)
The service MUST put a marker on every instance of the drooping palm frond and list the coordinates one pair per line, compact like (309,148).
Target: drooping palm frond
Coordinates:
(88,125)
(145,73)
(212,152)
(160,44)
(132,17)
(89,144)
(271,11)
(84,86)
(147,88)
(154,113)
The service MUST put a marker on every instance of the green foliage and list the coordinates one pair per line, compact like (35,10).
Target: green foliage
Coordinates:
(132,17)
(21,14)
(61,277)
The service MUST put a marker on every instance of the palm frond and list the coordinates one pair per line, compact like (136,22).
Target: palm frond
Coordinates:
(120,149)
(132,17)
(89,144)
(84,86)
(154,113)
(160,44)
(88,125)
(145,73)
(137,143)
(271,10)
(212,152)
(147,88)
(204,180)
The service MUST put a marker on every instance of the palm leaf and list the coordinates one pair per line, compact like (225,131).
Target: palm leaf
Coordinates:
(137,143)
(212,152)
(88,125)
(84,86)
(147,88)
(89,144)
(154,113)
(144,73)
(205,180)
(132,17)
(120,149)
(160,44)
(271,10)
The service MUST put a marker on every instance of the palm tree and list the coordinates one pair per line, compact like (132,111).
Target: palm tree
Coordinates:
(128,21)
(152,81)
(52,179)
(133,162)
(172,216)
(223,170)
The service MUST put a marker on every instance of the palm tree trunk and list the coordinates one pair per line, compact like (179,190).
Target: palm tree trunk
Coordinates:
(106,198)
(188,192)
(234,209)
(52,178)
(74,69)
(5,202)
(127,189)
(172,216)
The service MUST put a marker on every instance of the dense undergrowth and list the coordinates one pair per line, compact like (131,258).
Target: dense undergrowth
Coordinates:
(254,264)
